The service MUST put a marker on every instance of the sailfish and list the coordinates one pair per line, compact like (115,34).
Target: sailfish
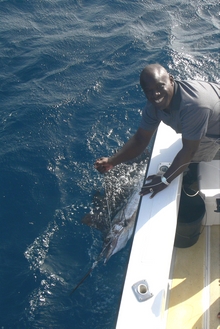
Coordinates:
(116,233)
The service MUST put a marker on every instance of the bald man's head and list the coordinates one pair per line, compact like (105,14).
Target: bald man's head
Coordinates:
(158,85)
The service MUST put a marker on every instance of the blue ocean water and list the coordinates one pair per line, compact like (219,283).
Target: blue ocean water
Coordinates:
(69,93)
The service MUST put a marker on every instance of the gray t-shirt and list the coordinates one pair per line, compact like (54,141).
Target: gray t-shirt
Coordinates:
(194,111)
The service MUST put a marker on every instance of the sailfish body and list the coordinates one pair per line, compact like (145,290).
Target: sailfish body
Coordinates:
(117,233)
(122,226)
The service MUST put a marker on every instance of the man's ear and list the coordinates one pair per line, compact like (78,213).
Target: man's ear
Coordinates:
(171,79)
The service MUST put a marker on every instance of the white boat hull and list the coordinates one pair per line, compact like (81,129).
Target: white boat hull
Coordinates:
(153,241)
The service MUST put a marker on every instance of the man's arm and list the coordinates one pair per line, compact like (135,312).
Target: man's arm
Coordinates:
(134,147)
(180,163)
(182,159)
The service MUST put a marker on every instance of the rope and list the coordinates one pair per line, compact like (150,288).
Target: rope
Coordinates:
(107,201)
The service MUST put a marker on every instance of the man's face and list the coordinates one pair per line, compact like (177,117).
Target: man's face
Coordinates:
(158,89)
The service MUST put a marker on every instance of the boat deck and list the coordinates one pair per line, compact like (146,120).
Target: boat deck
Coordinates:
(194,295)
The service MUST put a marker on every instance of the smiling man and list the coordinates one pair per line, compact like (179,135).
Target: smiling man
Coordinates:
(158,86)
(191,108)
